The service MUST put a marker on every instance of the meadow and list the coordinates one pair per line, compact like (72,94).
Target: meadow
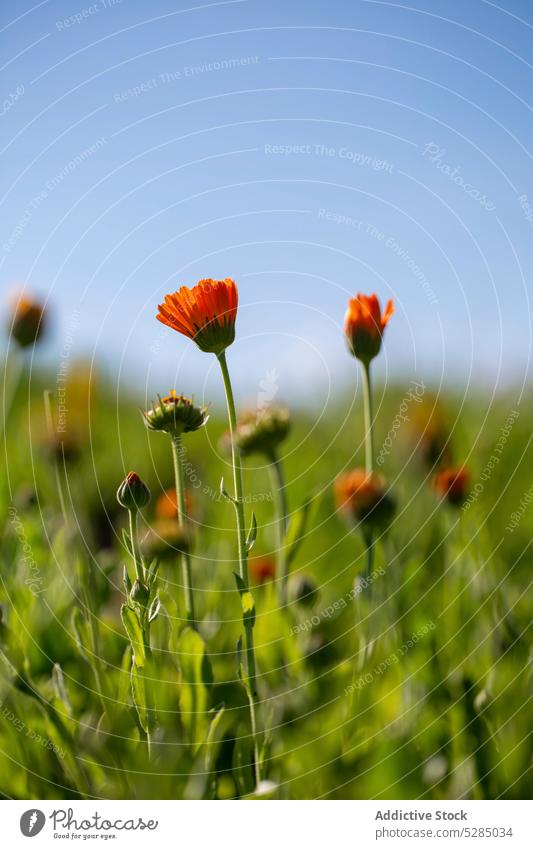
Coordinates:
(402,677)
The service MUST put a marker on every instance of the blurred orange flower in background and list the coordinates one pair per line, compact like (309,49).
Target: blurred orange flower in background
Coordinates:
(28,320)
(166,506)
(452,484)
(206,313)
(362,496)
(262,569)
(364,324)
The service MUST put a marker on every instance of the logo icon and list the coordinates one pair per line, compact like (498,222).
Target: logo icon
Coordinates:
(32,822)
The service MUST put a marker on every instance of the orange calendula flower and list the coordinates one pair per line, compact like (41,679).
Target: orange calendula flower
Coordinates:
(364,324)
(206,313)
(166,506)
(28,320)
(452,484)
(362,497)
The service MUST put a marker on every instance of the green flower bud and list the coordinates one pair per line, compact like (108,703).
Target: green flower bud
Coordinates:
(132,493)
(175,414)
(140,593)
(260,432)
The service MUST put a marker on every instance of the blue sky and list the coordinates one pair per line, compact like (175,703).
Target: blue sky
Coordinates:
(307,149)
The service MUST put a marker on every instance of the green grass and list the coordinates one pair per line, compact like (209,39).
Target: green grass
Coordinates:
(440,709)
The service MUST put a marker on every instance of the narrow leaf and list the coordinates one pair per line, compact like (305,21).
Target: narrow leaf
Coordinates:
(132,624)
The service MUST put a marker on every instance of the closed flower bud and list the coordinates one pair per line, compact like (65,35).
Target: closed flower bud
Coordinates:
(132,493)
(140,593)
(175,414)
(363,497)
(304,591)
(452,484)
(28,321)
(364,325)
(260,433)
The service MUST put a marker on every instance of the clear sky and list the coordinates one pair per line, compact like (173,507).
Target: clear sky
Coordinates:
(307,149)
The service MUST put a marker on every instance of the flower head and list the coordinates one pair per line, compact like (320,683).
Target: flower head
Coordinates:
(452,484)
(206,313)
(262,569)
(260,433)
(132,493)
(175,414)
(364,324)
(28,321)
(363,497)
(431,433)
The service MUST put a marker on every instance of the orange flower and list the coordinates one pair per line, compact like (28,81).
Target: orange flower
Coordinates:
(362,497)
(262,569)
(364,325)
(28,320)
(206,313)
(166,506)
(452,484)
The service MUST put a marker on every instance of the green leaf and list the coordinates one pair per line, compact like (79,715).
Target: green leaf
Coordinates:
(211,741)
(154,609)
(243,768)
(59,686)
(80,627)
(132,624)
(241,586)
(127,581)
(196,686)
(138,689)
(248,608)
(126,539)
(296,531)
(252,534)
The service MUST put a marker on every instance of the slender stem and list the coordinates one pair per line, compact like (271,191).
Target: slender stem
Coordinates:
(182,516)
(139,570)
(243,554)
(280,494)
(367,401)
(369,461)
(10,390)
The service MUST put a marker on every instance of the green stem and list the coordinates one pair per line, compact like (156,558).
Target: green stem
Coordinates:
(367,401)
(243,553)
(369,459)
(182,516)
(282,510)
(9,391)
(139,570)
